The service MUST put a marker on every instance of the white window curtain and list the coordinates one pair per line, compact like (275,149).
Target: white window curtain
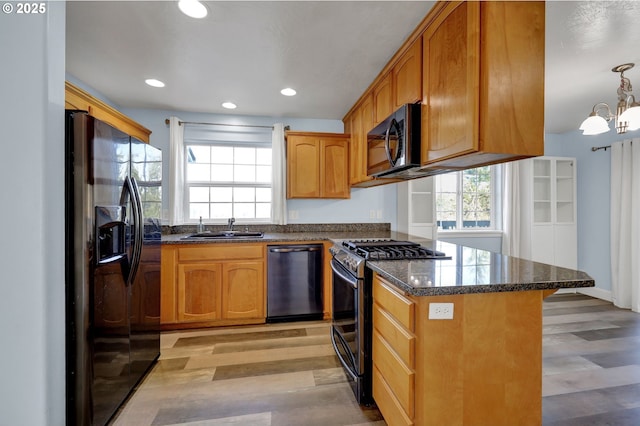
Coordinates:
(516,207)
(176,172)
(279,181)
(625,224)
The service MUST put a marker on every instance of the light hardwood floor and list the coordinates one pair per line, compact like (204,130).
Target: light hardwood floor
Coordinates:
(287,374)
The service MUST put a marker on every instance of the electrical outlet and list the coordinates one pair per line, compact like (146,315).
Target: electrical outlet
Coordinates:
(379,214)
(293,214)
(441,311)
(372,214)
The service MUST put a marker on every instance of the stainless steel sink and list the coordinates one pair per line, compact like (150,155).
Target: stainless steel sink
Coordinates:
(224,235)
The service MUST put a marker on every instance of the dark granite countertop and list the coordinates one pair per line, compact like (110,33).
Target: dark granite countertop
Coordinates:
(469,270)
(278,237)
(473,270)
(288,233)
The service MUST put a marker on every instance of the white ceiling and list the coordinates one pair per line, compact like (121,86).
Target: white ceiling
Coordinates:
(329,51)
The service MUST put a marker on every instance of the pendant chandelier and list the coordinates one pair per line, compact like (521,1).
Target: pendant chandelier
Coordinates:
(627,116)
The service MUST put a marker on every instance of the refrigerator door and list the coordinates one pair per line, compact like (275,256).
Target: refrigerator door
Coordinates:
(99,249)
(146,173)
(109,169)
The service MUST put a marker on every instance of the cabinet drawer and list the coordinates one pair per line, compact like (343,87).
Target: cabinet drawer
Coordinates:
(221,252)
(393,302)
(402,341)
(399,377)
(387,402)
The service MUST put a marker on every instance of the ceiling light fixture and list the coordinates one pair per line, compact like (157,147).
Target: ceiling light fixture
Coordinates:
(288,91)
(193,8)
(229,105)
(154,83)
(627,116)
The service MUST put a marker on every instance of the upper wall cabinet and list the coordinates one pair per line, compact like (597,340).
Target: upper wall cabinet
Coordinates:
(382,99)
(401,85)
(358,123)
(76,98)
(483,84)
(407,76)
(317,165)
(478,69)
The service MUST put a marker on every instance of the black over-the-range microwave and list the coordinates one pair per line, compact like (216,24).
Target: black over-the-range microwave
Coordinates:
(393,146)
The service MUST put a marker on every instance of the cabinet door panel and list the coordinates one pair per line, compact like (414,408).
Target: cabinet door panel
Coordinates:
(394,414)
(407,76)
(382,99)
(542,236)
(303,168)
(566,246)
(243,290)
(399,377)
(199,287)
(355,156)
(334,166)
(362,123)
(451,78)
(512,68)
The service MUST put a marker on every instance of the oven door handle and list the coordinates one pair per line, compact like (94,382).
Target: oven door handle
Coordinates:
(341,271)
(346,367)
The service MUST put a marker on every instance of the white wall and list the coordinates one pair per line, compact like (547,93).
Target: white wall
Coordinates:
(593,193)
(32,248)
(357,209)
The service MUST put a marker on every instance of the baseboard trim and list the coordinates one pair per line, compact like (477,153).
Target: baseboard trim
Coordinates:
(566,291)
(596,292)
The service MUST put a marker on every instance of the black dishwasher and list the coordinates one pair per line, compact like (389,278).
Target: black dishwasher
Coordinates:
(294,282)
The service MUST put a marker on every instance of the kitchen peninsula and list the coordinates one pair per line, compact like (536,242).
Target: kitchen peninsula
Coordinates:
(459,341)
(483,365)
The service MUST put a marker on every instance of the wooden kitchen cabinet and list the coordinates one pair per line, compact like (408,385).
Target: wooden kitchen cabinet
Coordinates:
(478,69)
(213,284)
(483,84)
(383,99)
(407,76)
(483,364)
(199,291)
(317,165)
(401,85)
(243,290)
(358,123)
(393,354)
(76,98)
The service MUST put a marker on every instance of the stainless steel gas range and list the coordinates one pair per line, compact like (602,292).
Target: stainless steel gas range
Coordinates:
(351,328)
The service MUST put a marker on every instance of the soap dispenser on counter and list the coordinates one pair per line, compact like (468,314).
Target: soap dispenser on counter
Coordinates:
(200,226)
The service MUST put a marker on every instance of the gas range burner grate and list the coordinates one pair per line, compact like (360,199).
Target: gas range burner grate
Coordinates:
(354,244)
(392,250)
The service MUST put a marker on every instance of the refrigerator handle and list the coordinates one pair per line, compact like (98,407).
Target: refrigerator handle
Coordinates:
(138,230)
(129,195)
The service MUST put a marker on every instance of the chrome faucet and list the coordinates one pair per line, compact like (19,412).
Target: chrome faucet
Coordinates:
(230,223)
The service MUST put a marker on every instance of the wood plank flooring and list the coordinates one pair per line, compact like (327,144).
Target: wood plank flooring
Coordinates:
(287,374)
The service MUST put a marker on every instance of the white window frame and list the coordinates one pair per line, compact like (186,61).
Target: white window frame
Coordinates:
(209,184)
(495,215)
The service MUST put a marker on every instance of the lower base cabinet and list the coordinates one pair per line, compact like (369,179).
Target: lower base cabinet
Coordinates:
(483,367)
(207,285)
(393,354)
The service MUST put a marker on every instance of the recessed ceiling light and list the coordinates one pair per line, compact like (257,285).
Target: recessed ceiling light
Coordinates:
(193,8)
(229,105)
(154,83)
(288,91)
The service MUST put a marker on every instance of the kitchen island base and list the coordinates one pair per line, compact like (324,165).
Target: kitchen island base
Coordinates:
(483,367)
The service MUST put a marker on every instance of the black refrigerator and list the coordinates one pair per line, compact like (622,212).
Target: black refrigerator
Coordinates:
(113,235)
